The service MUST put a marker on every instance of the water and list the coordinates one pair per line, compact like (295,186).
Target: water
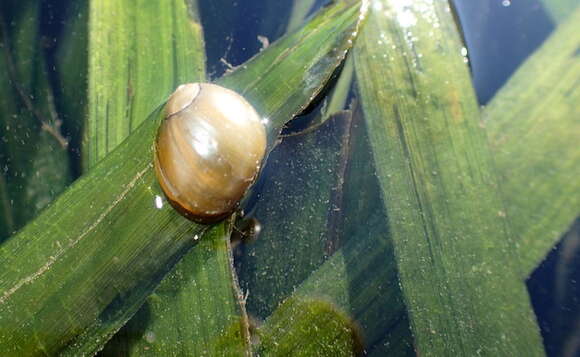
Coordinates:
(499,36)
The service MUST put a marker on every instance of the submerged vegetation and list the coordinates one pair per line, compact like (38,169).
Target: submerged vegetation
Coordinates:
(393,214)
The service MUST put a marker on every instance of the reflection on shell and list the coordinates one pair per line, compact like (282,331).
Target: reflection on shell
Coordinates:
(209,150)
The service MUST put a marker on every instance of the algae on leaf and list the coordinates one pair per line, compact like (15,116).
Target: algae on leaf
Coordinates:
(308,327)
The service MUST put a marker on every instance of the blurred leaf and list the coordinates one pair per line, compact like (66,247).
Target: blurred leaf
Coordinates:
(33,153)
(533,124)
(341,90)
(560,9)
(71,59)
(300,9)
(333,102)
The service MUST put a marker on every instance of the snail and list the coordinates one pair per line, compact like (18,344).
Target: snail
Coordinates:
(209,150)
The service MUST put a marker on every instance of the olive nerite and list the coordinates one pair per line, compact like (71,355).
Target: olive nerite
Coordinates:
(208,151)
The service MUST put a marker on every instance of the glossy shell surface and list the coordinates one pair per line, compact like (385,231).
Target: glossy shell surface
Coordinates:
(208,151)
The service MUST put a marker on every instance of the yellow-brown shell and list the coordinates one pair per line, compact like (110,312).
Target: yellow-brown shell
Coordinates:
(209,150)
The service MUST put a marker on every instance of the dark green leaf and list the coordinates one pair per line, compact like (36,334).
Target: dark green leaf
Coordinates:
(33,153)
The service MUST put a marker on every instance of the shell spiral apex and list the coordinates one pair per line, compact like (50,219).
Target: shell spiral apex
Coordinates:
(208,151)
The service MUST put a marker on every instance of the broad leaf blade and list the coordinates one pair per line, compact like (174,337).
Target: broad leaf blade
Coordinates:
(460,276)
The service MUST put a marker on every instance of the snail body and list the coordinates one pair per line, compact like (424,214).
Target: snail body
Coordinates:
(208,151)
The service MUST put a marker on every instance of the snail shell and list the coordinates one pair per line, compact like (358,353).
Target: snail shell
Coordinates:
(209,150)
